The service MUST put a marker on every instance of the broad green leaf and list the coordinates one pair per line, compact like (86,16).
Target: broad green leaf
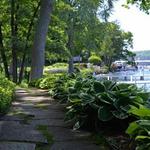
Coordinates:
(119,114)
(144,123)
(78,85)
(86,97)
(94,106)
(142,137)
(112,86)
(141,112)
(145,96)
(104,114)
(132,128)
(106,97)
(125,108)
(138,99)
(123,86)
(99,87)
(104,101)
(73,96)
(72,90)
(109,84)
(74,101)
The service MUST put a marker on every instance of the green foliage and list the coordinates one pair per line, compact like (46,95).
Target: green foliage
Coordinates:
(86,71)
(59,65)
(142,4)
(95,101)
(6,84)
(91,103)
(56,68)
(6,94)
(101,70)
(115,43)
(73,23)
(94,59)
(47,82)
(60,90)
(140,130)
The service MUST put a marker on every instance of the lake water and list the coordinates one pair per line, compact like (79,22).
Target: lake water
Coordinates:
(131,75)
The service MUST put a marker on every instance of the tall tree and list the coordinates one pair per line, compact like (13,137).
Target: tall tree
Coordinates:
(14,29)
(3,55)
(30,27)
(115,44)
(106,9)
(38,50)
(142,4)
(77,15)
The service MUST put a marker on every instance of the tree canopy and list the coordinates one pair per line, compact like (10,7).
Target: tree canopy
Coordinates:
(76,28)
(142,4)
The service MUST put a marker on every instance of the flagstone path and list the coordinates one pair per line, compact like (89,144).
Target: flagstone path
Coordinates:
(36,122)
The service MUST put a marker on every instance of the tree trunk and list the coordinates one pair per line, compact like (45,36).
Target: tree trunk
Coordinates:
(70,65)
(26,44)
(70,45)
(37,56)
(2,51)
(14,42)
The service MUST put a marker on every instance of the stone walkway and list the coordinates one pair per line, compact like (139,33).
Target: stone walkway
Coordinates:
(35,122)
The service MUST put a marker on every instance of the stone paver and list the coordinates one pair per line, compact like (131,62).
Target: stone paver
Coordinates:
(65,134)
(14,131)
(16,146)
(74,145)
(32,109)
(49,122)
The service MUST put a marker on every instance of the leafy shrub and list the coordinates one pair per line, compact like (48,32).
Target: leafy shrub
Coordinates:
(57,65)
(139,130)
(34,83)
(6,93)
(5,99)
(94,59)
(101,70)
(92,101)
(81,65)
(60,90)
(56,68)
(104,69)
(6,84)
(86,72)
(47,82)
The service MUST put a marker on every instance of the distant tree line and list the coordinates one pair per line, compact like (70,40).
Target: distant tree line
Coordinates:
(38,30)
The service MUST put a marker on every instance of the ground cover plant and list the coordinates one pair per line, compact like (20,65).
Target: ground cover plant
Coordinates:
(100,105)
(46,82)
(6,94)
(101,101)
(60,89)
(56,68)
(139,130)
(103,106)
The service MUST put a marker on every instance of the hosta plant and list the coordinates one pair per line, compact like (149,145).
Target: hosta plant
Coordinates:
(95,101)
(61,85)
(139,130)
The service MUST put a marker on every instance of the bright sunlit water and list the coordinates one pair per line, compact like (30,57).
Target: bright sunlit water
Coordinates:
(134,75)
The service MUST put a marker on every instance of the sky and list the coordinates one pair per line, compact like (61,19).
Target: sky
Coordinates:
(135,21)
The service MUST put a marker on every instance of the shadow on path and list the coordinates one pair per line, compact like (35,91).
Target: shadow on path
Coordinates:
(35,122)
